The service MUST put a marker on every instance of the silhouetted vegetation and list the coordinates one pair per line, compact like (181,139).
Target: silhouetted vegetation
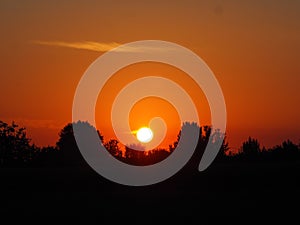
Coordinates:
(254,182)
(251,150)
(16,149)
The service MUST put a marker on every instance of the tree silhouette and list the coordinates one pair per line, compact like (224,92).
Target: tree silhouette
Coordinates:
(16,150)
(135,157)
(113,147)
(217,136)
(287,150)
(47,157)
(175,143)
(250,148)
(67,146)
(15,147)
(149,157)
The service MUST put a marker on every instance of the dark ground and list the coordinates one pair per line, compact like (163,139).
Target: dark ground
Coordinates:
(226,192)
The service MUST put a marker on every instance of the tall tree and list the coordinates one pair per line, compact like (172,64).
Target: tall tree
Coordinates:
(70,154)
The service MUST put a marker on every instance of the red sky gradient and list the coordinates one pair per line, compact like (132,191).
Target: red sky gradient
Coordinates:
(253,48)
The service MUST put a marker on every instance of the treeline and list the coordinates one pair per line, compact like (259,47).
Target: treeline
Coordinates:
(251,150)
(16,149)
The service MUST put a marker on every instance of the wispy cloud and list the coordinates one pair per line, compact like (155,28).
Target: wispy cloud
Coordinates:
(86,45)
(102,46)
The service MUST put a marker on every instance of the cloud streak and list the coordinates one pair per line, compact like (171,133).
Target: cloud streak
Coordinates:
(102,46)
(84,45)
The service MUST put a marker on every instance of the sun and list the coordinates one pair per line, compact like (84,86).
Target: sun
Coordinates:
(144,134)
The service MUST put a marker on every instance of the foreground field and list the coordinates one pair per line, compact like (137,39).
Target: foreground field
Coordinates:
(235,192)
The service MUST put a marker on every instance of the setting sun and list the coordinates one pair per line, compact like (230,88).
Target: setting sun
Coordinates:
(144,134)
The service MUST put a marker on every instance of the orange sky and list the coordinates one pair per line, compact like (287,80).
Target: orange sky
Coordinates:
(253,48)
(150,107)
